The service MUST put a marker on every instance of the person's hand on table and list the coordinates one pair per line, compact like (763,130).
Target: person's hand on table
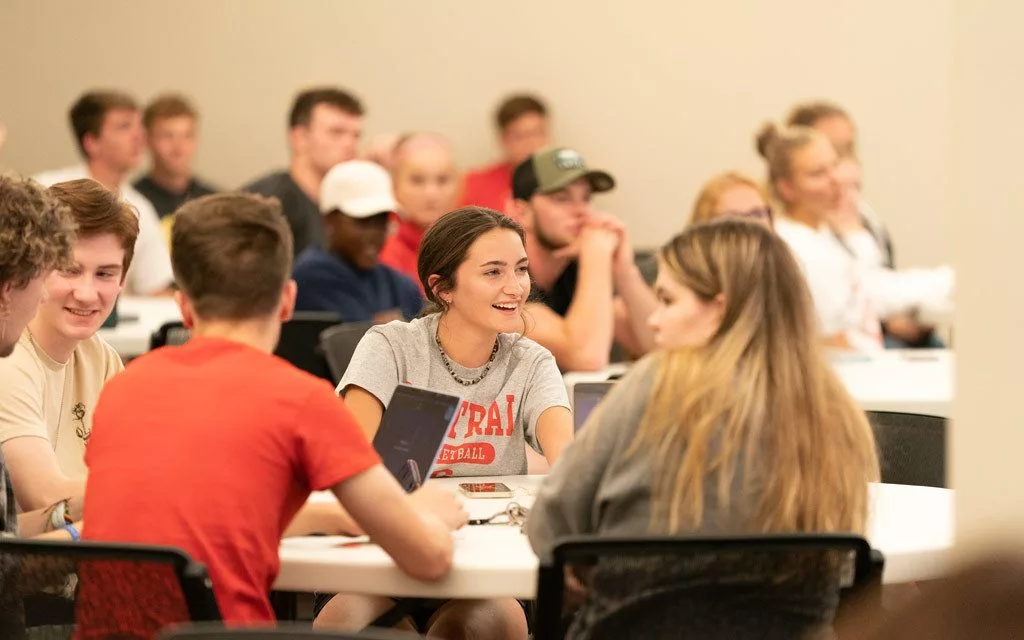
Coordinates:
(442,503)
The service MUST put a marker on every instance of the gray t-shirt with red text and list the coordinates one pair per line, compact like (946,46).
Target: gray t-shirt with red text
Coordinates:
(498,416)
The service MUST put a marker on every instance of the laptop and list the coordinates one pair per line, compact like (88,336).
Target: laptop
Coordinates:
(411,433)
(585,397)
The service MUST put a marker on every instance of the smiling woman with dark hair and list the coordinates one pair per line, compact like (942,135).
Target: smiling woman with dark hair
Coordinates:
(474,269)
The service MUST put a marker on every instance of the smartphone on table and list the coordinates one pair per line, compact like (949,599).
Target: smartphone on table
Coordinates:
(486,490)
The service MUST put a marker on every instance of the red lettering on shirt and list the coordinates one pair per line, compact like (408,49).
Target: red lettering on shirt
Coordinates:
(511,400)
(494,421)
(462,411)
(476,418)
(470,453)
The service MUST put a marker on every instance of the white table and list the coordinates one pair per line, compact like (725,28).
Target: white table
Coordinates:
(139,319)
(912,526)
(909,381)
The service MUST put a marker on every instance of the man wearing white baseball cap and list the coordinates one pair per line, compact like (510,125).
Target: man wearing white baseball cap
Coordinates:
(344,275)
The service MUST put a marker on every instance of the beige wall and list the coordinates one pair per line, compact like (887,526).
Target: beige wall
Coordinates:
(987,442)
(662,93)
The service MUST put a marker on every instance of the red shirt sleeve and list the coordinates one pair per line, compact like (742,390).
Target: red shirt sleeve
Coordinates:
(331,446)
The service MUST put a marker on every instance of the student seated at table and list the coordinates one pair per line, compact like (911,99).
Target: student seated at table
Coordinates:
(344,275)
(425,188)
(591,293)
(732,195)
(214,446)
(474,268)
(36,236)
(737,425)
(850,299)
(50,384)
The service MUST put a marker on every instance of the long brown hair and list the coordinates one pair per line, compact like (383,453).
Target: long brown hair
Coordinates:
(759,399)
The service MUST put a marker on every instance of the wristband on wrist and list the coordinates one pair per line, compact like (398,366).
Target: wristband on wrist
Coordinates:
(73,532)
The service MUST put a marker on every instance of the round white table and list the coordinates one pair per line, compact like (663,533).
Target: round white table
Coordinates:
(906,381)
(139,318)
(912,526)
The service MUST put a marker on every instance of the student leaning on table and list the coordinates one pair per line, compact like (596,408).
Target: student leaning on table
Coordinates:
(50,384)
(214,446)
(474,269)
(738,425)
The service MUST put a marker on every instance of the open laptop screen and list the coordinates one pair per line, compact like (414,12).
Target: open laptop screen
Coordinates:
(411,433)
(585,397)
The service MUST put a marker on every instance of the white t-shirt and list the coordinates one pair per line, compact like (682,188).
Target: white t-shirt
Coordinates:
(498,416)
(151,265)
(840,295)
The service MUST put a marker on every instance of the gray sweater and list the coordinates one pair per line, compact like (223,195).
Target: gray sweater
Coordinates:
(595,488)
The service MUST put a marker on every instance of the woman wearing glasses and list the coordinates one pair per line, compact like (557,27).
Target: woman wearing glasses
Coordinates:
(732,195)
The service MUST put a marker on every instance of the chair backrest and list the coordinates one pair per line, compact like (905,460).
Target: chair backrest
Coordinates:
(339,343)
(300,341)
(119,590)
(281,632)
(911,447)
(169,334)
(768,586)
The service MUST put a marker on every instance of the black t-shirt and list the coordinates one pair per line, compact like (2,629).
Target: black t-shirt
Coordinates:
(560,295)
(166,202)
(303,214)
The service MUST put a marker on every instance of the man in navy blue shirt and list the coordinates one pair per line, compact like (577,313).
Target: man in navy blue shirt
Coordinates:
(344,275)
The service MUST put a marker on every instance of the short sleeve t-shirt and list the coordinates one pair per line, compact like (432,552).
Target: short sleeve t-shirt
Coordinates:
(303,213)
(561,293)
(328,283)
(43,398)
(212,447)
(498,415)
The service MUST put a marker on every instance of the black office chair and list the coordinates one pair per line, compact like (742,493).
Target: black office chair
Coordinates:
(169,334)
(764,587)
(911,447)
(281,632)
(117,590)
(339,342)
(300,341)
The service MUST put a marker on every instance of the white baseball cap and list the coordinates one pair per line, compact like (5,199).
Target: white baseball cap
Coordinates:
(357,188)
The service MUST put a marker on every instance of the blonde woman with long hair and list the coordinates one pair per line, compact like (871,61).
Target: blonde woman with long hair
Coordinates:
(736,425)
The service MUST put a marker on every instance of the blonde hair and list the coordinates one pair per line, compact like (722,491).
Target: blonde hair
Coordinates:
(759,399)
(777,146)
(706,204)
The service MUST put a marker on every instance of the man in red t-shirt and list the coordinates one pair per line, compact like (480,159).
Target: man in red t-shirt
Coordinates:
(523,130)
(214,446)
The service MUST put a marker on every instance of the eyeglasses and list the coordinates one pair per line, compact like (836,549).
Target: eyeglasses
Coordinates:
(514,514)
(756,214)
